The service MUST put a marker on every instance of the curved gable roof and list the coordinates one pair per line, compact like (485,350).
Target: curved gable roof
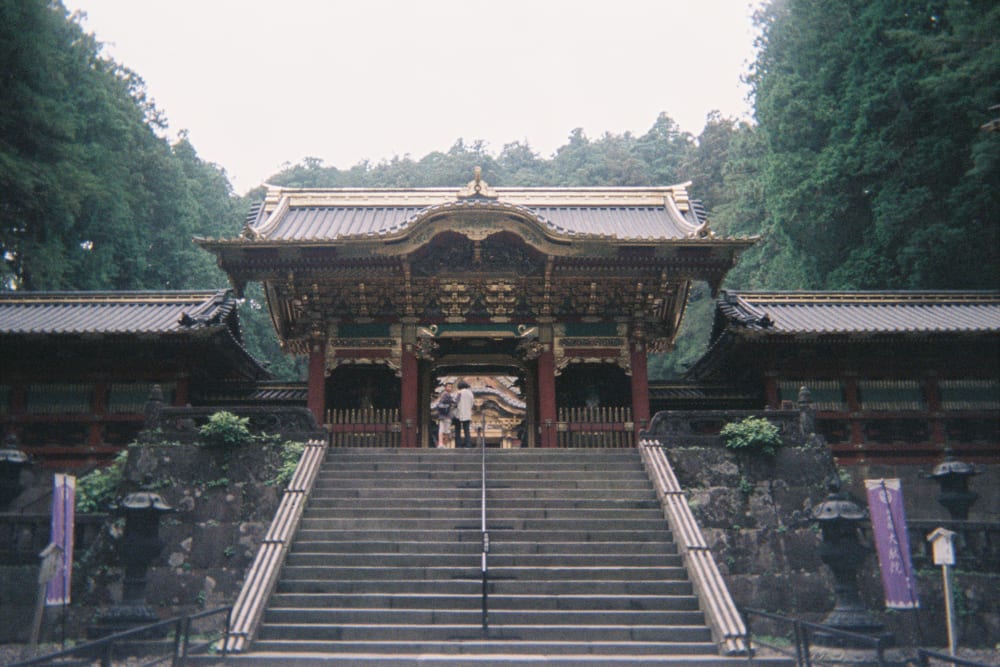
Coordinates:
(331,215)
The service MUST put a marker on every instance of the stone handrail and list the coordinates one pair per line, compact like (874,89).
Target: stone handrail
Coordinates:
(728,629)
(263,574)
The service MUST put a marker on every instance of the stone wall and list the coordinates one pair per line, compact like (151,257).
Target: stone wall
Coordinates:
(755,514)
(223,503)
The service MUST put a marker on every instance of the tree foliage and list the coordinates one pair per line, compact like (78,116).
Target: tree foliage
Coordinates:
(93,197)
(865,167)
(868,168)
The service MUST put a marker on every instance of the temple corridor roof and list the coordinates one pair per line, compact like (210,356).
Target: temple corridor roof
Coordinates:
(887,312)
(113,312)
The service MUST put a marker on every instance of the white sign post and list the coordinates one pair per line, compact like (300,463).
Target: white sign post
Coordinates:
(943,543)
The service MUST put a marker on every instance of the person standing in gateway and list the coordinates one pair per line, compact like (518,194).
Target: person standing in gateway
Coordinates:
(444,407)
(463,413)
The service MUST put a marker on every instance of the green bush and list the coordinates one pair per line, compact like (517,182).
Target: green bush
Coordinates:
(226,430)
(96,490)
(752,435)
(291,452)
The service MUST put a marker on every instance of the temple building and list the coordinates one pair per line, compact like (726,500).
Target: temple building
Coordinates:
(894,376)
(548,301)
(564,289)
(76,368)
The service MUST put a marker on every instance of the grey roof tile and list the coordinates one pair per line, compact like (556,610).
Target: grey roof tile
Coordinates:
(112,312)
(783,313)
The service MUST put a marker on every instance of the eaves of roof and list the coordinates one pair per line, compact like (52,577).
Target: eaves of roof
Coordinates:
(869,313)
(339,215)
(53,313)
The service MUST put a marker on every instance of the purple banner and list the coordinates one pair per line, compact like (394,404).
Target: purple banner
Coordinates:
(63,518)
(885,504)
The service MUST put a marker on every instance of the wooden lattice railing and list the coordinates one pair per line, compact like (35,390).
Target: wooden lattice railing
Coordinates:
(263,574)
(597,427)
(363,427)
(728,629)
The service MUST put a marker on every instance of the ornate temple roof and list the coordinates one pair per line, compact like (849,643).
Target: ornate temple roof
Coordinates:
(113,312)
(621,214)
(824,313)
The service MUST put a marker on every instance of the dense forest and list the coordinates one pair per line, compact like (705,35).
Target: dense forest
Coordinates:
(866,166)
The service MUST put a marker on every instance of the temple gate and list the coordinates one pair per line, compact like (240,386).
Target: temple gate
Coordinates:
(565,290)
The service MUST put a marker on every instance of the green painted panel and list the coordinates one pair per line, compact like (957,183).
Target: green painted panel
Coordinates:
(372,330)
(591,329)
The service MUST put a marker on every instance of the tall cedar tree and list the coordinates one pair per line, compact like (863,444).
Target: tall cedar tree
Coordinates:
(93,198)
(868,168)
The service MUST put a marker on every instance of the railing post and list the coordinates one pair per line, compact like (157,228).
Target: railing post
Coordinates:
(748,639)
(802,652)
(179,633)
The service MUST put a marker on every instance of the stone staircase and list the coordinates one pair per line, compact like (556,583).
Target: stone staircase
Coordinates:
(385,566)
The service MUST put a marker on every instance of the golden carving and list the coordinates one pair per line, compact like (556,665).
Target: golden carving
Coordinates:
(477,187)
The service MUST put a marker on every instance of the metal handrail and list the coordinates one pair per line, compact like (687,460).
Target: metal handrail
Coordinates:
(180,647)
(801,636)
(924,655)
(484,557)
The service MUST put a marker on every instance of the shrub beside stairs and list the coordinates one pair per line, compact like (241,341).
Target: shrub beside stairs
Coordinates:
(384,568)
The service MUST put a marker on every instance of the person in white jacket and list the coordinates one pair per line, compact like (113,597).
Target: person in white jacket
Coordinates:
(463,413)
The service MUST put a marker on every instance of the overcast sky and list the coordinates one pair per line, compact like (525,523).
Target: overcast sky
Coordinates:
(259,85)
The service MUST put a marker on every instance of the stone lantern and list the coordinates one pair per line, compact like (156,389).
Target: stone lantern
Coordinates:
(140,545)
(840,520)
(12,462)
(953,476)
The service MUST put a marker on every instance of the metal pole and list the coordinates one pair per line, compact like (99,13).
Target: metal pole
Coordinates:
(484,566)
(948,611)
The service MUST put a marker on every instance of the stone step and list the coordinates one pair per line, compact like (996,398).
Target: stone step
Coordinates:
(474,468)
(497,617)
(494,496)
(496,561)
(496,602)
(473,630)
(581,523)
(384,568)
(452,586)
(429,470)
(473,503)
(497,483)
(450,453)
(499,652)
(497,574)
(485,654)
(661,547)
(473,534)
(493,514)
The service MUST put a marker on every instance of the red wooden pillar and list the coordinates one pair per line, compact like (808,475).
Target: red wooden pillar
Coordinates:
(853,399)
(640,388)
(408,403)
(771,393)
(182,391)
(316,397)
(932,391)
(99,409)
(547,397)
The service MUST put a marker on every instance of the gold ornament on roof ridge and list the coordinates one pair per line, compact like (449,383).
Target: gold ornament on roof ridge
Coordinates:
(477,187)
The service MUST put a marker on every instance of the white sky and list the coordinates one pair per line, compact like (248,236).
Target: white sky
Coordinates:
(261,84)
